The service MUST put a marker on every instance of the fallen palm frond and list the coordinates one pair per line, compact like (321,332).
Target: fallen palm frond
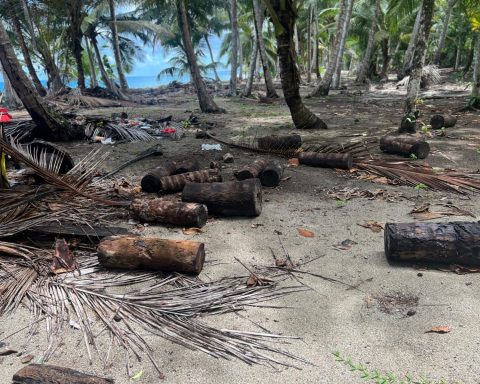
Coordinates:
(430,75)
(411,173)
(118,131)
(359,149)
(167,306)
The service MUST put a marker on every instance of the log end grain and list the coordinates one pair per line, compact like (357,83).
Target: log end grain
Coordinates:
(271,175)
(441,121)
(150,183)
(420,150)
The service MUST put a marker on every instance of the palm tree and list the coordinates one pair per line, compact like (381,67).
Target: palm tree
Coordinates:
(419,56)
(441,42)
(284,13)
(116,46)
(367,58)
(343,39)
(234,57)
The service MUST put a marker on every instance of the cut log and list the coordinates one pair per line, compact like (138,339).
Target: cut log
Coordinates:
(454,243)
(326,160)
(408,123)
(177,213)
(440,121)
(280,143)
(252,170)
(51,374)
(233,198)
(271,175)
(151,181)
(152,253)
(175,183)
(406,145)
(186,166)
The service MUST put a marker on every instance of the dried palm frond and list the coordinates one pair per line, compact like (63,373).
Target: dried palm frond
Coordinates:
(408,172)
(359,149)
(74,182)
(167,306)
(430,75)
(118,131)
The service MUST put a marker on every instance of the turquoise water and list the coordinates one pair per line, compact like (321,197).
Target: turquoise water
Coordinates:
(151,81)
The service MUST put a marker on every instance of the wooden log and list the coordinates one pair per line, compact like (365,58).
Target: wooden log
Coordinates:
(175,183)
(408,123)
(326,160)
(252,170)
(454,242)
(271,175)
(280,143)
(51,374)
(233,198)
(440,121)
(186,166)
(177,213)
(152,253)
(151,181)
(406,145)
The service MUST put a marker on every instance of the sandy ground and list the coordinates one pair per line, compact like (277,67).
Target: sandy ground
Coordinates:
(330,317)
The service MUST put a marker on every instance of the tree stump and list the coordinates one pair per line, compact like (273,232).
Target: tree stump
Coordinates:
(440,121)
(51,374)
(151,181)
(177,213)
(326,160)
(252,170)
(152,253)
(271,174)
(186,166)
(406,145)
(455,242)
(408,123)
(280,143)
(175,183)
(233,198)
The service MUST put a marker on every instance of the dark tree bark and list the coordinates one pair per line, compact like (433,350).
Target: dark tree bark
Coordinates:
(309,43)
(440,121)
(151,181)
(367,58)
(234,48)
(48,125)
(205,100)
(443,36)
(25,52)
(175,183)
(405,144)
(385,59)
(326,160)
(280,143)
(116,47)
(152,253)
(476,73)
(316,64)
(91,62)
(258,21)
(420,54)
(247,92)
(252,170)
(302,117)
(76,18)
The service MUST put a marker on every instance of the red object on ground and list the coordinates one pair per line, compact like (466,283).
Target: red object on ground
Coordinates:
(5,117)
(169,131)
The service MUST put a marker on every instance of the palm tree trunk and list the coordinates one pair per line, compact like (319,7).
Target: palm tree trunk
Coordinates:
(419,56)
(343,39)
(25,52)
(411,44)
(48,125)
(247,91)
(76,31)
(116,47)
(385,59)
(309,45)
(217,78)
(367,58)
(316,68)
(91,62)
(258,18)
(476,73)
(458,54)
(302,117)
(441,42)
(111,86)
(323,87)
(10,98)
(234,57)
(205,100)
(240,61)
(471,55)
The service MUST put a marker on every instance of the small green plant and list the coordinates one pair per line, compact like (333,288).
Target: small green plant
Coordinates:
(413,156)
(426,128)
(341,203)
(420,186)
(378,377)
(186,124)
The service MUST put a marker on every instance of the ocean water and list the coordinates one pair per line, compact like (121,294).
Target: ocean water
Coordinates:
(151,81)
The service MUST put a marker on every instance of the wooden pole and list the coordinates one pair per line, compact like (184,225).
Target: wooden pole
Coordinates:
(280,142)
(440,121)
(51,374)
(455,242)
(233,198)
(405,144)
(177,213)
(175,183)
(252,170)
(271,175)
(151,181)
(152,253)
(326,160)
